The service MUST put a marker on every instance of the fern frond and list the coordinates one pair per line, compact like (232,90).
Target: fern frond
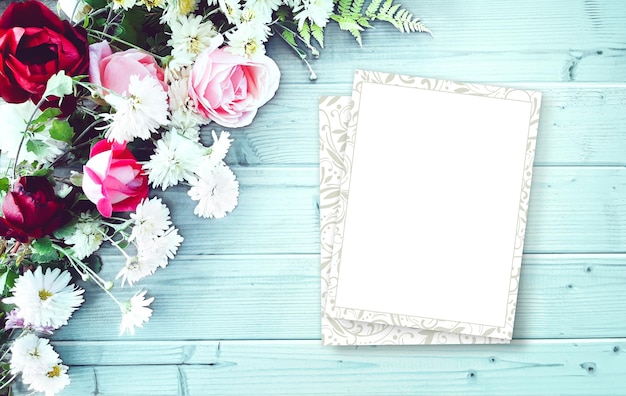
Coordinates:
(305,33)
(318,34)
(351,26)
(371,10)
(344,6)
(357,6)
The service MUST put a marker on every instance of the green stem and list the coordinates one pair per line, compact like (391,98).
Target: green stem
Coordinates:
(95,33)
(30,120)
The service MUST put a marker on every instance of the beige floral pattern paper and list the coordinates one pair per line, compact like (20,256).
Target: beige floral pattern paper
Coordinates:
(334,114)
(357,326)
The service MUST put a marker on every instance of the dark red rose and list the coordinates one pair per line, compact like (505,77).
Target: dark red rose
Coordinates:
(31,209)
(34,45)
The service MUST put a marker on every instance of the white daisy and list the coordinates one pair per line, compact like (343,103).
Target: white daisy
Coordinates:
(50,381)
(191,36)
(177,8)
(125,4)
(216,189)
(231,10)
(135,312)
(247,40)
(316,11)
(139,112)
(150,4)
(174,160)
(14,121)
(45,299)
(32,352)
(151,219)
(87,237)
(264,8)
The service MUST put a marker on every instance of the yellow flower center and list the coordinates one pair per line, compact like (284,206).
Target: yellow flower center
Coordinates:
(44,294)
(251,48)
(186,6)
(55,372)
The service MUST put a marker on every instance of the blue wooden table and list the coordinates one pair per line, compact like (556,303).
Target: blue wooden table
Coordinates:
(238,311)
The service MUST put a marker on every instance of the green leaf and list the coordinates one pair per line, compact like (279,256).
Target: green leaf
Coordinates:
(61,130)
(289,37)
(46,115)
(44,172)
(36,147)
(97,4)
(65,231)
(94,262)
(4,184)
(43,251)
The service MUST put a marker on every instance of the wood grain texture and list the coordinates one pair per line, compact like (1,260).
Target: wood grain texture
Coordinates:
(575,367)
(238,311)
(278,297)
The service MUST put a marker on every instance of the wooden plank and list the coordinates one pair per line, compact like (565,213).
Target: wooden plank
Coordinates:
(572,210)
(574,367)
(278,297)
(483,41)
(580,124)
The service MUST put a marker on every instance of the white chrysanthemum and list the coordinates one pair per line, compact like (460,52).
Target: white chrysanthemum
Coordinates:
(220,147)
(87,237)
(76,10)
(49,381)
(151,254)
(150,4)
(125,4)
(316,11)
(168,244)
(174,160)
(138,267)
(32,352)
(263,8)
(135,312)
(231,10)
(185,117)
(293,4)
(151,219)
(176,8)
(216,189)
(139,112)
(45,299)
(14,121)
(191,36)
(247,40)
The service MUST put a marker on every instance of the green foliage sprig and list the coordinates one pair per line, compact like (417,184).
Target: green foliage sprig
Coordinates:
(352,16)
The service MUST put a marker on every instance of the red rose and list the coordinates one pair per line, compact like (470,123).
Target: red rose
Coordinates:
(31,209)
(34,45)
(113,179)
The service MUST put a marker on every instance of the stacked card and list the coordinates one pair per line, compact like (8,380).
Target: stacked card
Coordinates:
(424,189)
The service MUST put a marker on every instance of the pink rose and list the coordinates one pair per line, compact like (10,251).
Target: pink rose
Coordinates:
(113,70)
(228,88)
(113,179)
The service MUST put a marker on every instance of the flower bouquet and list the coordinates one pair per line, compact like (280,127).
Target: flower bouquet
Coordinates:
(103,101)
